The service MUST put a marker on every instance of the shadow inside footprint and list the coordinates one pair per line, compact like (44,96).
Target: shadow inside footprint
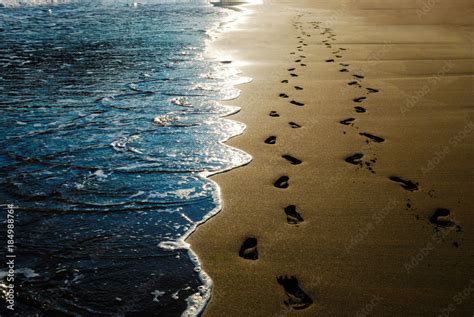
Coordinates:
(372,90)
(359,109)
(441,218)
(372,137)
(355,159)
(293,160)
(291,69)
(282,182)
(360,99)
(296,103)
(351,83)
(294,125)
(330,61)
(271,140)
(347,121)
(407,185)
(298,88)
(273,114)
(344,70)
(285,81)
(358,76)
(297,298)
(283,95)
(248,250)
(292,216)
(293,75)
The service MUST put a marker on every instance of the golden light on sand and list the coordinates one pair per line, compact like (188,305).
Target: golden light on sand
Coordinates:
(235,2)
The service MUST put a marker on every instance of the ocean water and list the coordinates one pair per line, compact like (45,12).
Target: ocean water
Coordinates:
(110,123)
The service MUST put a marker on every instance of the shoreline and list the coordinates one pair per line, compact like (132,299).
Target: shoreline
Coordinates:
(367,219)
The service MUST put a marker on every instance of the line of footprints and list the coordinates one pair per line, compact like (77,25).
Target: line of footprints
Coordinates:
(441,217)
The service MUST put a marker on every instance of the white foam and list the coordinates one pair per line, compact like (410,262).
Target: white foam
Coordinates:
(27,272)
(157,293)
(181,101)
(164,120)
(184,193)
(17,3)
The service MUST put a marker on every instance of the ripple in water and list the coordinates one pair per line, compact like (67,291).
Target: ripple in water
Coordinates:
(110,125)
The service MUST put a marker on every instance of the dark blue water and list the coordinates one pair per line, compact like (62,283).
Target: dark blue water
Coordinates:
(110,122)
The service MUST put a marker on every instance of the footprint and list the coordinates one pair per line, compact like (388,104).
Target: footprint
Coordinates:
(282,182)
(330,61)
(342,64)
(296,103)
(285,81)
(248,250)
(355,159)
(302,56)
(360,109)
(293,75)
(347,121)
(441,218)
(342,49)
(292,216)
(274,114)
(372,90)
(282,95)
(303,65)
(358,76)
(408,185)
(271,140)
(298,88)
(351,83)
(291,69)
(338,56)
(344,70)
(372,137)
(298,61)
(360,99)
(293,160)
(294,125)
(297,298)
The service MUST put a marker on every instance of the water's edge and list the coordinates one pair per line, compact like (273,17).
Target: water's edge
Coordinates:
(206,292)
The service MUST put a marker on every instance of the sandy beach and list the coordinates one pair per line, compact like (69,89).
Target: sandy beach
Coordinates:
(359,197)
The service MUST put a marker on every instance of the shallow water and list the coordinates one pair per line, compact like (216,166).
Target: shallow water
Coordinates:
(110,123)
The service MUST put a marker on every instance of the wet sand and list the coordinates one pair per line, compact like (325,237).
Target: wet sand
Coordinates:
(368,216)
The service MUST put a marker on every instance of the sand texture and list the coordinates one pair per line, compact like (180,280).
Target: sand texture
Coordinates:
(372,215)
